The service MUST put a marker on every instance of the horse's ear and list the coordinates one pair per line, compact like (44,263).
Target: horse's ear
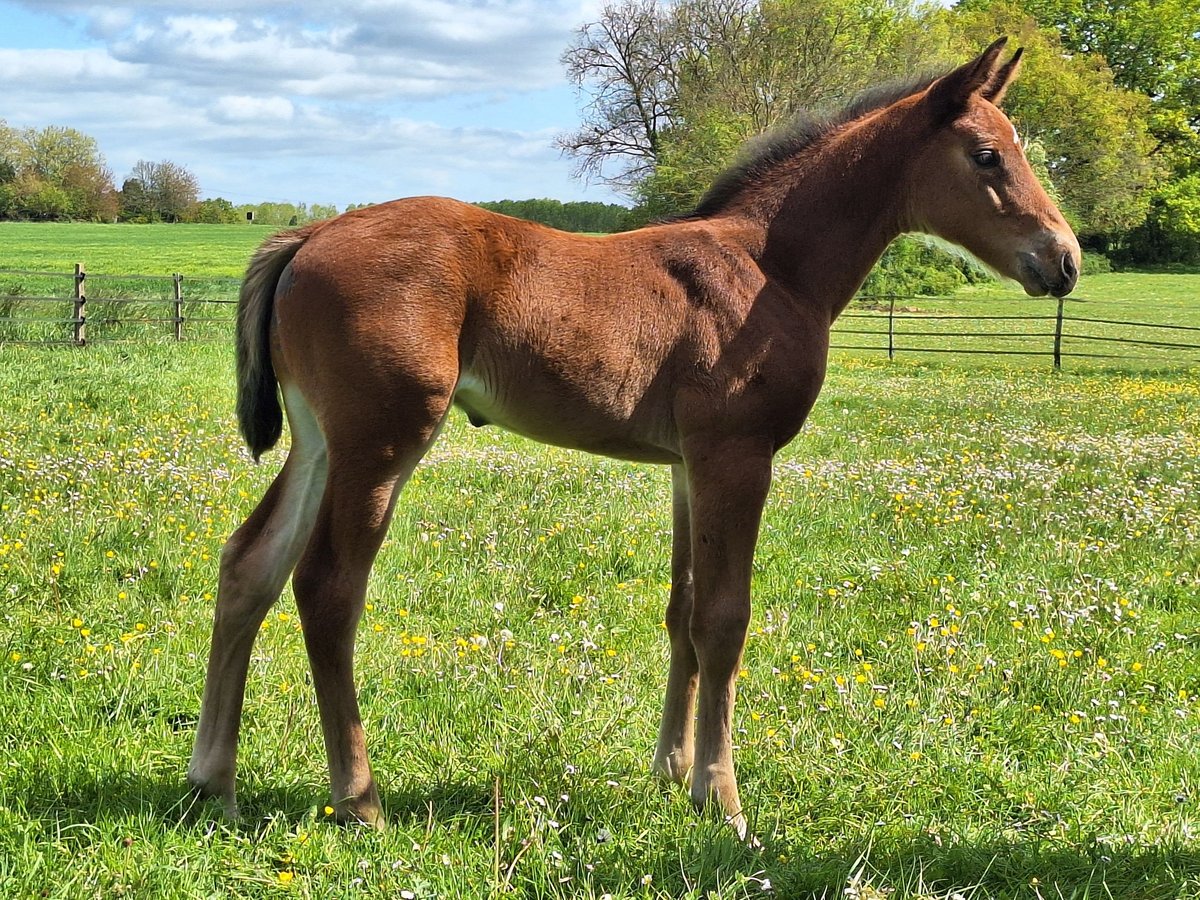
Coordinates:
(997,87)
(948,96)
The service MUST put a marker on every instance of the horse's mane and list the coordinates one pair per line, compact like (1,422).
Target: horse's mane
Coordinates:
(762,154)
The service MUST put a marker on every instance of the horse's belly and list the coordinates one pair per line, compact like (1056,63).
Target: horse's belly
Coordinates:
(564,422)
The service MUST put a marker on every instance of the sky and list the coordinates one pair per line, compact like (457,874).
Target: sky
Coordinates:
(314,101)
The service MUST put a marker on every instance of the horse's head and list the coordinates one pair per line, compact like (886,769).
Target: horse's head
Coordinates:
(972,185)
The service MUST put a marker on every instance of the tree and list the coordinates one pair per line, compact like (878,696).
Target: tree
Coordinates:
(53,173)
(213,211)
(676,88)
(136,203)
(10,153)
(765,65)
(158,192)
(586,216)
(628,61)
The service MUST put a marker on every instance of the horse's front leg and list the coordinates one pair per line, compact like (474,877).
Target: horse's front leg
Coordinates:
(673,756)
(727,484)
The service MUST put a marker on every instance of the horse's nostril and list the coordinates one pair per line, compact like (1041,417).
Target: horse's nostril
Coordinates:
(1069,268)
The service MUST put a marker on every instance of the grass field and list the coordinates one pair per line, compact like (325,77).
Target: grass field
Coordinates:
(973,669)
(208,250)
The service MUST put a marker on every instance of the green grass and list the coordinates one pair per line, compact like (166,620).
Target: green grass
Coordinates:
(208,250)
(972,669)
(123,303)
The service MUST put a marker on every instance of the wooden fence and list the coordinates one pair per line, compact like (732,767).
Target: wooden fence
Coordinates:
(80,308)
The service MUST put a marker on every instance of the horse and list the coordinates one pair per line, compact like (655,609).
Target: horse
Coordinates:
(700,343)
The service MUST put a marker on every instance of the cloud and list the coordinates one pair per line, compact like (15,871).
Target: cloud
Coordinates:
(66,70)
(252,109)
(362,99)
(398,48)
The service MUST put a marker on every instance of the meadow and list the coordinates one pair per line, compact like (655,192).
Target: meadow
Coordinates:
(973,668)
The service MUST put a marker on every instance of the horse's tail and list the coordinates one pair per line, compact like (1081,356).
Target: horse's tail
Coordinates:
(259,412)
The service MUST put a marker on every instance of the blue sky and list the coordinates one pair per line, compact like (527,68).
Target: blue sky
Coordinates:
(318,101)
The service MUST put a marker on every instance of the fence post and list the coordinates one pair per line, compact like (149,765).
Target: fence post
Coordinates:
(1058,332)
(80,313)
(178,280)
(892,327)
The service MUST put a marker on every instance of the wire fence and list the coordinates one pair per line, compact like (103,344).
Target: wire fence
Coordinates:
(80,308)
(881,324)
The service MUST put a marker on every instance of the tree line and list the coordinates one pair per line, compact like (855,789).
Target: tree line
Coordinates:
(1108,102)
(575,215)
(58,174)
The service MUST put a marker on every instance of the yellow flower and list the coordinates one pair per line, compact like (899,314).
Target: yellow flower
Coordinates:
(286,876)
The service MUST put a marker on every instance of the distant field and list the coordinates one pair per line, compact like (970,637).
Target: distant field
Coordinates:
(130,249)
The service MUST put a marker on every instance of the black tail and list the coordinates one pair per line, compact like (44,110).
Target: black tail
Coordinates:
(259,412)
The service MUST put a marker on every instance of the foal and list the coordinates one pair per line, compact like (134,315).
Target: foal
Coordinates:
(700,344)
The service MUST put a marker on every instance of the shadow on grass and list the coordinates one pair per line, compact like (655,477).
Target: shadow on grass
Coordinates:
(1030,868)
(699,860)
(87,798)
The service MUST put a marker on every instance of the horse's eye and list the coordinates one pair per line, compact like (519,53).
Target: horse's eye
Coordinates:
(986,159)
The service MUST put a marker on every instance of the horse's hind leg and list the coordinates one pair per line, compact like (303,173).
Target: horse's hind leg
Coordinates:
(255,564)
(331,583)
(673,756)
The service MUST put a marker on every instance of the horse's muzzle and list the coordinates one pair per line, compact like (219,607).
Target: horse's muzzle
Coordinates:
(1054,274)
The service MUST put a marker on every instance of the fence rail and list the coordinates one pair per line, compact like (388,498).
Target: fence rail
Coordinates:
(1039,335)
(81,308)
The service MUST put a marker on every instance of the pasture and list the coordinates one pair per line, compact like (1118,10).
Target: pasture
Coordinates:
(973,667)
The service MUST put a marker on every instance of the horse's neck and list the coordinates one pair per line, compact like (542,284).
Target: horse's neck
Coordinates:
(836,214)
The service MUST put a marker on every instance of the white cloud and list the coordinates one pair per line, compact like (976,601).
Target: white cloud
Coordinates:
(318,100)
(253,109)
(65,70)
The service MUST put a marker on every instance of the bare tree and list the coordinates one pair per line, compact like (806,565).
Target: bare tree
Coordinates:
(656,70)
(627,59)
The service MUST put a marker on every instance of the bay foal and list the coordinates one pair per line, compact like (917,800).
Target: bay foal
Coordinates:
(700,344)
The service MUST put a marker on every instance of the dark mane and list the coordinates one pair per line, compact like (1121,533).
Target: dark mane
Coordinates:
(763,153)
